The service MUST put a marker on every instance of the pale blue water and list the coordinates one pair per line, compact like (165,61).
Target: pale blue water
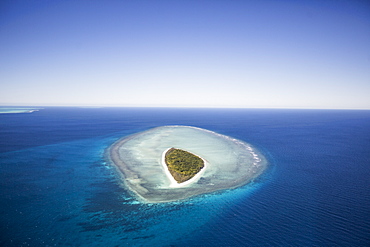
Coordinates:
(7,110)
(57,190)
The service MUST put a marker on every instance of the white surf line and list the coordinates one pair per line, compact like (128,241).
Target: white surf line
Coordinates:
(174,183)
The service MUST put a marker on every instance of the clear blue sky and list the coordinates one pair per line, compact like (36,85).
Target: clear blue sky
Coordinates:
(187,53)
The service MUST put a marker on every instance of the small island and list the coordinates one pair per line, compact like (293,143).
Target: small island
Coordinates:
(183,165)
(171,163)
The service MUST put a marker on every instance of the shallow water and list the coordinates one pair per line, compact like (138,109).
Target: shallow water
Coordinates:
(230,162)
(6,110)
(56,188)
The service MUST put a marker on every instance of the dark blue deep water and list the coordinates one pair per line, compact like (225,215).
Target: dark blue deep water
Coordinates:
(56,188)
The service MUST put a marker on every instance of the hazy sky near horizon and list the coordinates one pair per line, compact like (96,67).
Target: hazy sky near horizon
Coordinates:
(291,54)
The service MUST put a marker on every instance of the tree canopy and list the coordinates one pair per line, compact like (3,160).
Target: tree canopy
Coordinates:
(182,164)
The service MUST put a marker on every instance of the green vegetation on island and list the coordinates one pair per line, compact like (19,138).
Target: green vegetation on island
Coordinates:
(182,165)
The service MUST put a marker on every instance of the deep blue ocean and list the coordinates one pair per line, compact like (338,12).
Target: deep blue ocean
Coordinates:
(57,188)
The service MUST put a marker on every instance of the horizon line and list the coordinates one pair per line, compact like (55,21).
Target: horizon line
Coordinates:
(183,107)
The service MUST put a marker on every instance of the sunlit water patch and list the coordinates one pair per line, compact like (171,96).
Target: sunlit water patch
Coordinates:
(230,163)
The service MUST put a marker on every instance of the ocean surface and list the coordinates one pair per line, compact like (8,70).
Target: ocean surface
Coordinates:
(57,188)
